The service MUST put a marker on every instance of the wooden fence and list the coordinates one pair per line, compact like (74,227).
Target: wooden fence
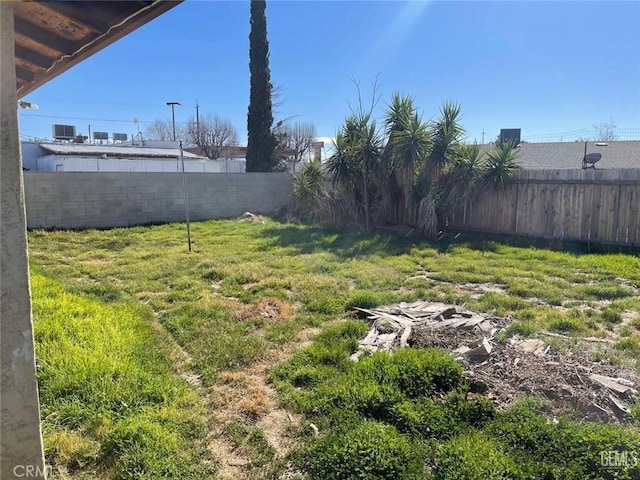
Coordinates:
(598,206)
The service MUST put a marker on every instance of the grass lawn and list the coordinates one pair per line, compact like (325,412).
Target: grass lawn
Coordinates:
(168,328)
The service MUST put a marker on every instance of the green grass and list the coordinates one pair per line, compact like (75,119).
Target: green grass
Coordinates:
(109,398)
(211,302)
(387,412)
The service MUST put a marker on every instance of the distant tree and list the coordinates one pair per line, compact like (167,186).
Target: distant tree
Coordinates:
(212,134)
(163,130)
(605,131)
(294,140)
(260,140)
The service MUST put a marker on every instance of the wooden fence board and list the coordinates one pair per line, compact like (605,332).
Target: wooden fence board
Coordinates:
(601,206)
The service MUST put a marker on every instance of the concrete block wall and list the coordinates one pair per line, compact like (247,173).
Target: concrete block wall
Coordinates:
(103,200)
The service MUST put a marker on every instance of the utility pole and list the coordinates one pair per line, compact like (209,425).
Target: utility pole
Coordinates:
(173,117)
(197,122)
(90,134)
(483,132)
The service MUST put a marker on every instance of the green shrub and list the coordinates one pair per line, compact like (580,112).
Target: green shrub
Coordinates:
(365,396)
(146,449)
(566,324)
(416,372)
(564,449)
(629,345)
(325,304)
(522,329)
(606,290)
(474,456)
(368,450)
(363,299)
(443,419)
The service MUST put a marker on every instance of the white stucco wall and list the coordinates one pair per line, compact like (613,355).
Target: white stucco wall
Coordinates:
(75,163)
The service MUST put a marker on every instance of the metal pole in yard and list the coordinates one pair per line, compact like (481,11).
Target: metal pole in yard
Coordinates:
(186,197)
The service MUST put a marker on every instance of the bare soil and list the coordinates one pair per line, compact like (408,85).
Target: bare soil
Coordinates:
(562,377)
(246,397)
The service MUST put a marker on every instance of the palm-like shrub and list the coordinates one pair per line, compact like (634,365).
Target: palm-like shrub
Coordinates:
(418,173)
(309,194)
(407,145)
(463,178)
(501,164)
(446,135)
(358,150)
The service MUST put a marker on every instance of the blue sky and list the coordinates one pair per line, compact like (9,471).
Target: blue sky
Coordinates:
(545,67)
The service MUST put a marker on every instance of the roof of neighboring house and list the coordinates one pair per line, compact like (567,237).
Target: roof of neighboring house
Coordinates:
(115,151)
(564,155)
(52,36)
(229,152)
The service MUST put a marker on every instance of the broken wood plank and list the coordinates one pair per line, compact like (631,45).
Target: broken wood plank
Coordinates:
(610,383)
(370,338)
(532,345)
(485,326)
(472,322)
(405,337)
(386,338)
(378,313)
(623,407)
(479,349)
(459,323)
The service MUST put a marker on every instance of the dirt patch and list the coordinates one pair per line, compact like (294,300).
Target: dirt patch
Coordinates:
(508,369)
(274,309)
(476,290)
(246,397)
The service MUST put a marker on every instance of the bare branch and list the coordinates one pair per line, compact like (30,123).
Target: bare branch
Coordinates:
(605,131)
(294,140)
(213,135)
(163,130)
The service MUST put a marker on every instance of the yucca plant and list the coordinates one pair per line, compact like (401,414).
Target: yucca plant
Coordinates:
(446,134)
(463,178)
(358,149)
(501,164)
(411,148)
(421,172)
(407,144)
(309,194)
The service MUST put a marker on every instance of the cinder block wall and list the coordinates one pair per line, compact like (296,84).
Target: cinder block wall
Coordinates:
(102,200)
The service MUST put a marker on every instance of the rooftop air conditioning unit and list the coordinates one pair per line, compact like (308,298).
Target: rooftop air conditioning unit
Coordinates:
(64,132)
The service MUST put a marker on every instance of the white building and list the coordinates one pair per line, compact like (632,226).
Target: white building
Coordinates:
(152,156)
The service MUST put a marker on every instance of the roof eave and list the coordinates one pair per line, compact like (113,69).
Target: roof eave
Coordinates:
(114,33)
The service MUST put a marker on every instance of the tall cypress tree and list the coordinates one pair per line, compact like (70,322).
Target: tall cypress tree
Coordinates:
(261,141)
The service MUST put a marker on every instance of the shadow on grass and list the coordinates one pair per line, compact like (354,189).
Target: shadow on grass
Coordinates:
(310,239)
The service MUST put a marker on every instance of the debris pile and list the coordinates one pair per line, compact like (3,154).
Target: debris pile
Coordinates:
(252,217)
(392,326)
(505,370)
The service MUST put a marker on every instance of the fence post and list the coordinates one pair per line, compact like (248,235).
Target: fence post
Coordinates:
(617,218)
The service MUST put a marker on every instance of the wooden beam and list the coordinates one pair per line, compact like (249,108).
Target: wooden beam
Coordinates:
(93,45)
(32,57)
